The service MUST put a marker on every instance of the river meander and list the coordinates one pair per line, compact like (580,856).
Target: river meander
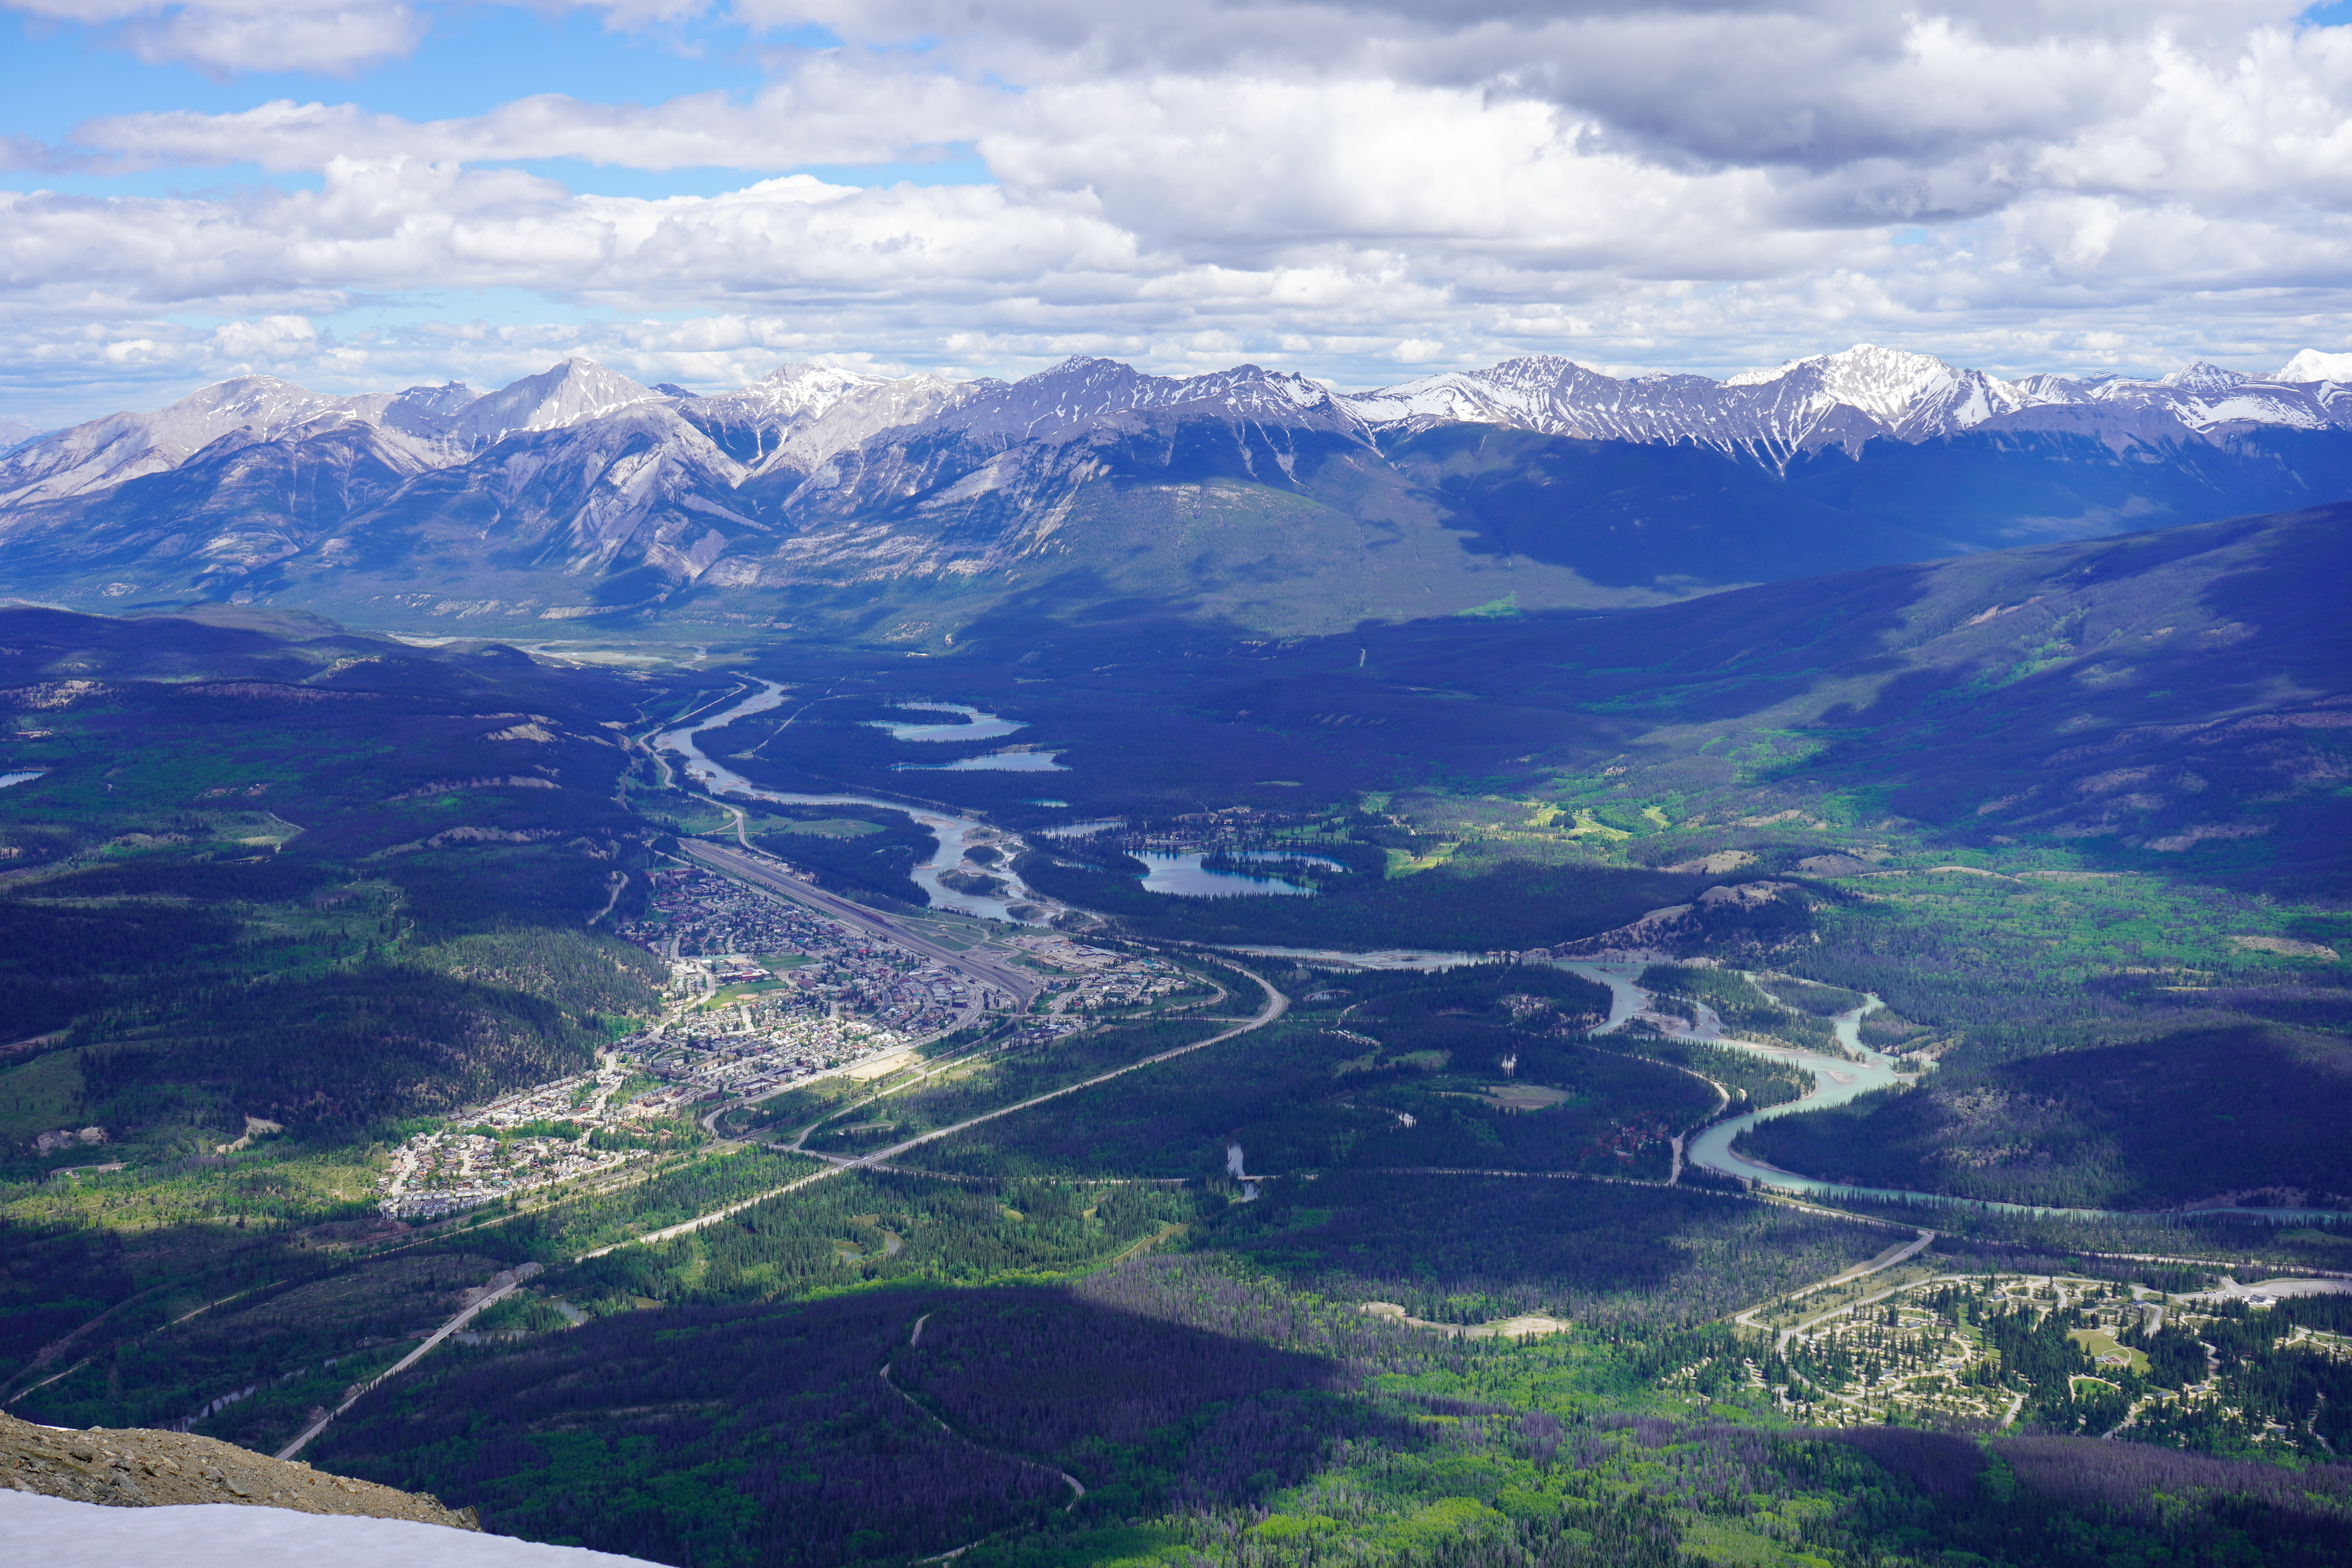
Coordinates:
(1837,1081)
(953,834)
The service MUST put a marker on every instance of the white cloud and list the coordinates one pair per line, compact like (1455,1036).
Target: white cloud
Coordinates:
(227,36)
(1341,187)
(833,110)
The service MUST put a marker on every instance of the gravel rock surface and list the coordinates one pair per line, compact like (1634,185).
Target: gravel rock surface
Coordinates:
(132,1468)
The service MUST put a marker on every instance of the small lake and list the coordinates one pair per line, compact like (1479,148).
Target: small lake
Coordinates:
(994,763)
(976,725)
(1285,855)
(7,779)
(1185,876)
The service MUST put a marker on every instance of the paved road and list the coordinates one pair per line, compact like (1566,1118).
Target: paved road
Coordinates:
(1276,1004)
(1903,1252)
(751,866)
(402,1365)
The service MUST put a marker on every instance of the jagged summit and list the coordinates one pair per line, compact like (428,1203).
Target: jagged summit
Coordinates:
(793,390)
(813,410)
(1843,399)
(2205,376)
(577,389)
(1825,400)
(579,491)
(1081,389)
(124,447)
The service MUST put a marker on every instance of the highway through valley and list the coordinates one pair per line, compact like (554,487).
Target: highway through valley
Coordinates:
(1276,1004)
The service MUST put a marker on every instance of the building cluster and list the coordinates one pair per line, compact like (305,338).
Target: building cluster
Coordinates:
(697,913)
(763,993)
(1093,978)
(436,1173)
(1921,1353)
(513,1144)
(755,1047)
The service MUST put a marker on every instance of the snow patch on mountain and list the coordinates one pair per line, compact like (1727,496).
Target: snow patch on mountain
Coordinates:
(793,394)
(1081,391)
(581,471)
(2310,365)
(1838,399)
(124,447)
(801,415)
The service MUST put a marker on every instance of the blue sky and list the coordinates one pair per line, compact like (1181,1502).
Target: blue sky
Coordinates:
(361,193)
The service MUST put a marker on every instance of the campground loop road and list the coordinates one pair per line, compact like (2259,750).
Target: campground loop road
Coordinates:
(1901,1253)
(1276,1004)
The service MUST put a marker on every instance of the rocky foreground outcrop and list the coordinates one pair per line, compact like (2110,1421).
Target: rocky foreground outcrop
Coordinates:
(132,1468)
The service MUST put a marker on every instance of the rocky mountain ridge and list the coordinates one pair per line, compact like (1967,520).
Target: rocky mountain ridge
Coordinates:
(136,1468)
(1846,399)
(1255,495)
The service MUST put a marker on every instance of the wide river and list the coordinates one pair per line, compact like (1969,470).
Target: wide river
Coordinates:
(953,832)
(1837,1081)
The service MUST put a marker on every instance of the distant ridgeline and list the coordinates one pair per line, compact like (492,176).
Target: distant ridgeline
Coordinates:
(899,510)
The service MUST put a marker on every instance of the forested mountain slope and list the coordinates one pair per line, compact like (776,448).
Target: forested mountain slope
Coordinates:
(264,868)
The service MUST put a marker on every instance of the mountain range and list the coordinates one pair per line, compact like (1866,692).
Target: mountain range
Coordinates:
(901,508)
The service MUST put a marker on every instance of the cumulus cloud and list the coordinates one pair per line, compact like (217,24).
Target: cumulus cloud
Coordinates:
(1348,186)
(227,36)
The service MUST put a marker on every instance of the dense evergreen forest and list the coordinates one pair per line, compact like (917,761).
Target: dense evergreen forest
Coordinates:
(2254,1109)
(315,878)
(1209,1417)
(1473,903)
(1484,1067)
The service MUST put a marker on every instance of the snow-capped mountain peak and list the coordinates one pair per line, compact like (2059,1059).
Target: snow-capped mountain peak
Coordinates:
(2205,377)
(1081,389)
(125,447)
(802,417)
(1827,399)
(442,402)
(1884,382)
(822,473)
(577,389)
(804,391)
(2312,365)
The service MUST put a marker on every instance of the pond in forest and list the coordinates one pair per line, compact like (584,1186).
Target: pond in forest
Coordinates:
(1184,874)
(975,725)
